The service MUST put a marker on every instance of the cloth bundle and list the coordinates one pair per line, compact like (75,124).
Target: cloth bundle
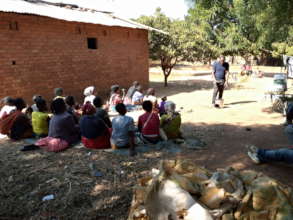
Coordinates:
(182,190)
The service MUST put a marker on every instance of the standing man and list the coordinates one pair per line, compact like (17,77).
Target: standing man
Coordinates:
(219,76)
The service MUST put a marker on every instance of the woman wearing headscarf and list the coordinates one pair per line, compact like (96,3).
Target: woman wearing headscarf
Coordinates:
(89,95)
(171,121)
(130,92)
(115,97)
(8,106)
(94,131)
(150,96)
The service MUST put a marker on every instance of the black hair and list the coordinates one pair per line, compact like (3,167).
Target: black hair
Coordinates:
(98,102)
(58,106)
(69,100)
(19,103)
(36,97)
(114,88)
(58,92)
(8,101)
(41,104)
(147,106)
(121,108)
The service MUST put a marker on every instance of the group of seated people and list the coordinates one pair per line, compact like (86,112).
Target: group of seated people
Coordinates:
(67,123)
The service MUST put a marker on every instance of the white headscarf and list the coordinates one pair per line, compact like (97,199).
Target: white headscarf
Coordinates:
(170,107)
(89,90)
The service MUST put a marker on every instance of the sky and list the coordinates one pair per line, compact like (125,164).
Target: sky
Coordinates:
(134,8)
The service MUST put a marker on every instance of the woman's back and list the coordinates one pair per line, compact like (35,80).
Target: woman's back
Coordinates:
(91,127)
(171,125)
(63,126)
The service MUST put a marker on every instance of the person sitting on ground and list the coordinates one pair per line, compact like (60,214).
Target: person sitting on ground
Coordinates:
(258,155)
(123,130)
(63,131)
(149,124)
(8,107)
(171,121)
(137,97)
(150,96)
(58,93)
(40,119)
(130,92)
(162,110)
(102,113)
(16,125)
(94,132)
(89,94)
(35,99)
(115,97)
(70,103)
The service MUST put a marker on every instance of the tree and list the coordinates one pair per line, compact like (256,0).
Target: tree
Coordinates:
(246,27)
(183,42)
(163,47)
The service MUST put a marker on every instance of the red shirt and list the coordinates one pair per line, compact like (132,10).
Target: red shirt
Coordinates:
(153,125)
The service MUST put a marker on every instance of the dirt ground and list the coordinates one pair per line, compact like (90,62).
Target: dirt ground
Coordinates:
(26,177)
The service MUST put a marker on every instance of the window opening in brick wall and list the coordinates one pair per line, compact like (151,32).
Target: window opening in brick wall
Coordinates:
(92,43)
(13,26)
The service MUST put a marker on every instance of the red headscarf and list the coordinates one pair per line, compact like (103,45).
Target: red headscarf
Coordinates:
(88,109)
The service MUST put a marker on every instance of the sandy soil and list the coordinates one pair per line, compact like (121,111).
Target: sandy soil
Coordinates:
(26,177)
(245,119)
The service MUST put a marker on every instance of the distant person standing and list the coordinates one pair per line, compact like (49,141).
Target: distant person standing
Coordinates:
(219,75)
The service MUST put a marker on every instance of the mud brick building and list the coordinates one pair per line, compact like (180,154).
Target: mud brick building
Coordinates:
(45,45)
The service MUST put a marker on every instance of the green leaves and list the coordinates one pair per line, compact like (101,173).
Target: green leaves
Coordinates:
(247,27)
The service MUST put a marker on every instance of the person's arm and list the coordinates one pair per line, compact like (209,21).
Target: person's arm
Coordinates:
(131,138)
(214,72)
(139,125)
(227,74)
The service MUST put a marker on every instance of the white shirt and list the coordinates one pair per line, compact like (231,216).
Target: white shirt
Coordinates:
(151,98)
(6,110)
(137,96)
(90,99)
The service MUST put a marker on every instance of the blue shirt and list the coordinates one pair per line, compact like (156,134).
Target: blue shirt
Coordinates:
(219,71)
(91,127)
(121,126)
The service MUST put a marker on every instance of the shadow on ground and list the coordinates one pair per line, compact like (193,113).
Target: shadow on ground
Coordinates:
(185,86)
(226,147)
(26,177)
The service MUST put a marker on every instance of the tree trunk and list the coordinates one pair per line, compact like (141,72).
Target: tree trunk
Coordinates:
(165,80)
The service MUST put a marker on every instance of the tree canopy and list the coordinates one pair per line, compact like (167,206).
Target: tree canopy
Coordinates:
(246,27)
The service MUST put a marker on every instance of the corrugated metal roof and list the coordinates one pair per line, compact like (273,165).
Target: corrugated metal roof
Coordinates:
(68,14)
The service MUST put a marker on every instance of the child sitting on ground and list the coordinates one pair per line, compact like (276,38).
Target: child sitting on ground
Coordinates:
(40,119)
(123,130)
(162,110)
(149,124)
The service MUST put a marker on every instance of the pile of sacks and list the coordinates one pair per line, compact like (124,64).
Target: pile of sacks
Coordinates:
(182,190)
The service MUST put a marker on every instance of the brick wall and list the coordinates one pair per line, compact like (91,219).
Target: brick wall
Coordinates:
(38,54)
